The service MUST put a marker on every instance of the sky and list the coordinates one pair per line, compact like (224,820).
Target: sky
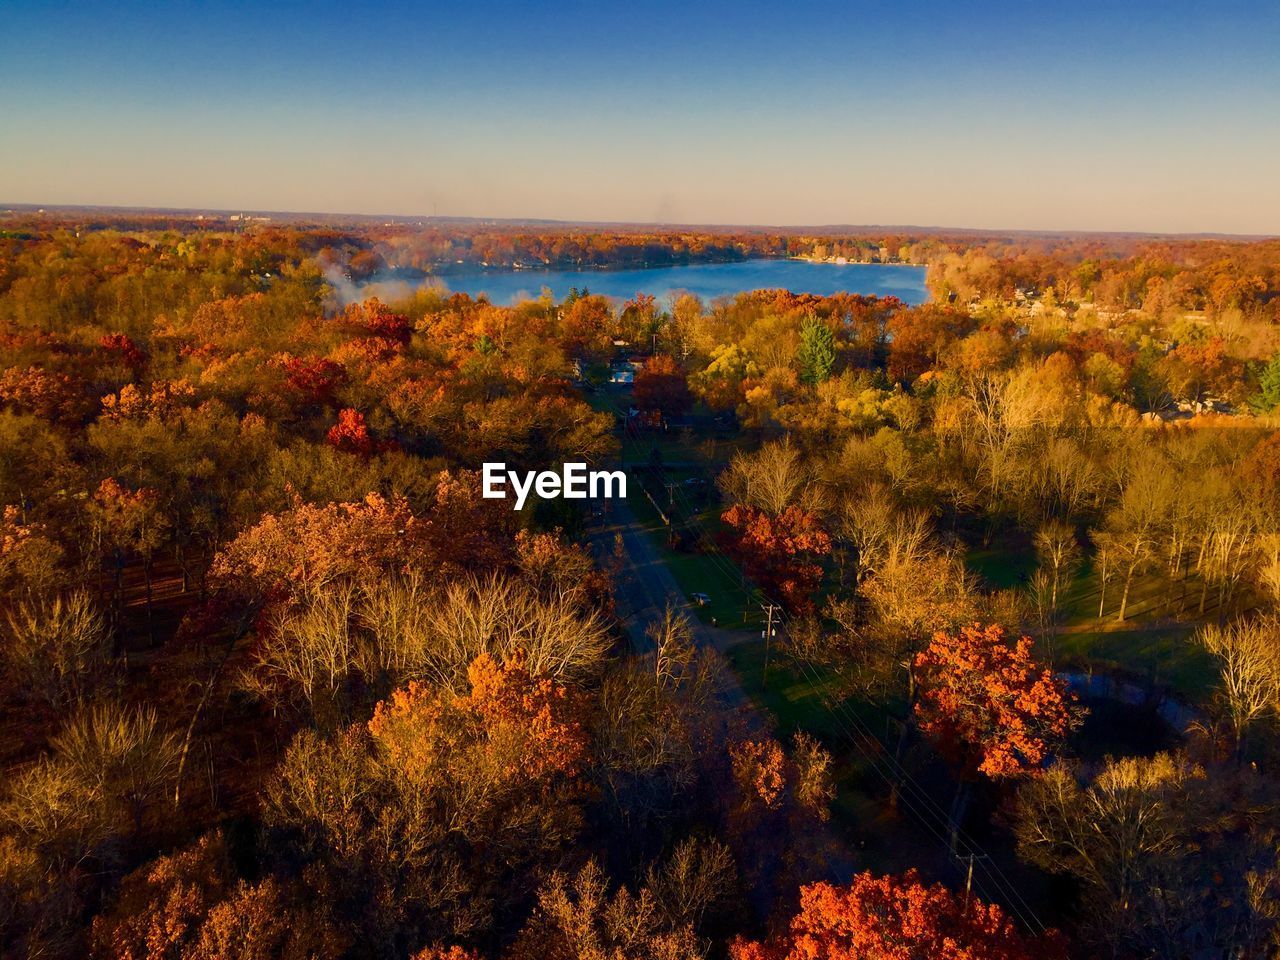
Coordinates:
(1116,115)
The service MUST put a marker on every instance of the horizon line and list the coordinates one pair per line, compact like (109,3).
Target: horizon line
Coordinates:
(420,219)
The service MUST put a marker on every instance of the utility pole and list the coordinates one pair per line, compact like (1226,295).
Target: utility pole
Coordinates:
(968,885)
(768,635)
(968,882)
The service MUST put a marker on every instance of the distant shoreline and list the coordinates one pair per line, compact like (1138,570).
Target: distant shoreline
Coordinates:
(476,269)
(834,262)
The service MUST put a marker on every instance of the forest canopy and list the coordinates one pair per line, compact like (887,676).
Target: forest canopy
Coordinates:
(945,630)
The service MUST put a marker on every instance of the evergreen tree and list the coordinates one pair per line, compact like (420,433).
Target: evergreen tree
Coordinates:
(1268,396)
(817,354)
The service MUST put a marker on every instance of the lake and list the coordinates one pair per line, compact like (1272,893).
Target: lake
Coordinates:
(705,280)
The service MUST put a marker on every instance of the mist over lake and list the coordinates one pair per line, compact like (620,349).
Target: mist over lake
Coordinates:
(706,280)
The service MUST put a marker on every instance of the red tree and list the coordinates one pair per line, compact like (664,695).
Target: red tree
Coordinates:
(314,378)
(897,918)
(988,706)
(123,348)
(351,435)
(778,552)
(373,318)
(662,386)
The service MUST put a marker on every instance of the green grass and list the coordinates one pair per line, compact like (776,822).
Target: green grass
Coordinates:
(1155,641)
(795,700)
(1156,638)
(696,572)
(1002,567)
(1164,655)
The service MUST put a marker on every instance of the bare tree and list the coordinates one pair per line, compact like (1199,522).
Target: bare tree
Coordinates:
(1059,554)
(772,478)
(1132,836)
(1248,655)
(397,626)
(699,875)
(58,648)
(312,650)
(121,755)
(879,533)
(501,616)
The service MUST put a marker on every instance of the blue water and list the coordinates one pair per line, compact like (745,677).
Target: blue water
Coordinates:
(706,280)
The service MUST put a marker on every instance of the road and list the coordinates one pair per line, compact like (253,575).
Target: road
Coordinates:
(644,588)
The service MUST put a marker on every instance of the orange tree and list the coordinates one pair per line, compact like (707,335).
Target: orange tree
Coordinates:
(897,918)
(662,386)
(778,551)
(989,708)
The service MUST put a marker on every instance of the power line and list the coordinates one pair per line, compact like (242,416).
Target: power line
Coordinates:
(911,793)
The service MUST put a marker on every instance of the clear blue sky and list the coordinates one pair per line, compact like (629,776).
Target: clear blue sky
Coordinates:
(1117,115)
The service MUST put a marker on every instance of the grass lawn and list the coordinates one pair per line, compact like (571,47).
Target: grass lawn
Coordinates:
(1003,567)
(731,605)
(1156,639)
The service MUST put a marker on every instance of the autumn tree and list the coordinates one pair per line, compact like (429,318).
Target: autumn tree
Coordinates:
(509,729)
(123,755)
(350,434)
(919,335)
(162,906)
(897,918)
(446,953)
(100,788)
(1059,553)
(586,321)
(658,730)
(190,905)
(661,386)
(578,919)
(772,479)
(1157,853)
(780,553)
(639,320)
(313,380)
(1247,653)
(557,635)
(30,559)
(913,590)
(989,707)
(1130,534)
(776,805)
(129,524)
(443,802)
(57,648)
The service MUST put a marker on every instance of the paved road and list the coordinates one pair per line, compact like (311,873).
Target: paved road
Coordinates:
(644,588)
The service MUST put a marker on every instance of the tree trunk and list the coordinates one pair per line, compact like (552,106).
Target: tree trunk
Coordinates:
(1124,597)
